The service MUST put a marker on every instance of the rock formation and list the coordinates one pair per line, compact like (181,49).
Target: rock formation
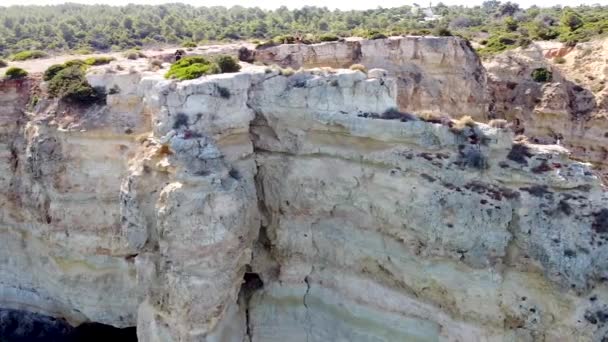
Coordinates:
(571,109)
(257,206)
(434,74)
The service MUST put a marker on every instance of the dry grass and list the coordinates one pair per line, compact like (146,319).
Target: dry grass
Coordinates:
(359,67)
(463,122)
(522,139)
(287,72)
(155,64)
(434,118)
(499,123)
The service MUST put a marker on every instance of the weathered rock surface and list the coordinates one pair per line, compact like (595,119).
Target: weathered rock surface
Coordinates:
(434,74)
(571,109)
(259,207)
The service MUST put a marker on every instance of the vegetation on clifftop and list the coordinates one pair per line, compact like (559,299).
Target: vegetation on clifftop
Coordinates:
(189,68)
(495,25)
(68,82)
(14,73)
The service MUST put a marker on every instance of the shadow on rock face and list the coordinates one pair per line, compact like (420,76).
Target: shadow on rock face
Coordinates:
(23,326)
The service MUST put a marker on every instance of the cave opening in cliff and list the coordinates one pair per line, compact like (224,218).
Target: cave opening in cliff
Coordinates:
(98,332)
(24,326)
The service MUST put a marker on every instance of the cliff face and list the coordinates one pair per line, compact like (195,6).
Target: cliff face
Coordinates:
(436,75)
(256,206)
(570,109)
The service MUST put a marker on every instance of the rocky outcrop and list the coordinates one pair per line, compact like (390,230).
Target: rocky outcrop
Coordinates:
(571,109)
(434,74)
(263,207)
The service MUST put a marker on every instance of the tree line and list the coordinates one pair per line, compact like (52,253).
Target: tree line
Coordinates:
(495,25)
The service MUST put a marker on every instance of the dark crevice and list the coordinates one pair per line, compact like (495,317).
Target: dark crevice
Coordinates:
(24,326)
(251,283)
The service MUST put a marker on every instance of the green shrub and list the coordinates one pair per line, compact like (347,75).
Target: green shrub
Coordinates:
(70,84)
(3,63)
(14,73)
(56,68)
(442,32)
(499,42)
(328,37)
(99,60)
(541,75)
(52,71)
(285,39)
(25,55)
(189,68)
(189,44)
(227,64)
(72,62)
(375,35)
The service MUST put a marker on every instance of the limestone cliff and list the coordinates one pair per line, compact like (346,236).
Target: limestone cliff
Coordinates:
(433,74)
(571,109)
(256,206)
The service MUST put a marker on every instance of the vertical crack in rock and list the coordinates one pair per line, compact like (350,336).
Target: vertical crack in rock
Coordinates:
(308,316)
(308,281)
(251,283)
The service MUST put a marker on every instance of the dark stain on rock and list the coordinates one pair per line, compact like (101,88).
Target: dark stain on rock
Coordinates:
(519,153)
(600,222)
(538,190)
(427,177)
(565,207)
(543,167)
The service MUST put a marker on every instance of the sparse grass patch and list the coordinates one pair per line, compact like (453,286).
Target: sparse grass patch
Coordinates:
(83,51)
(155,64)
(134,54)
(559,60)
(499,123)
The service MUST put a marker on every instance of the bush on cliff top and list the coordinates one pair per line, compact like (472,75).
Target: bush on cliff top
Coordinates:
(189,68)
(192,67)
(70,83)
(25,55)
(227,64)
(52,71)
(328,37)
(101,60)
(14,73)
